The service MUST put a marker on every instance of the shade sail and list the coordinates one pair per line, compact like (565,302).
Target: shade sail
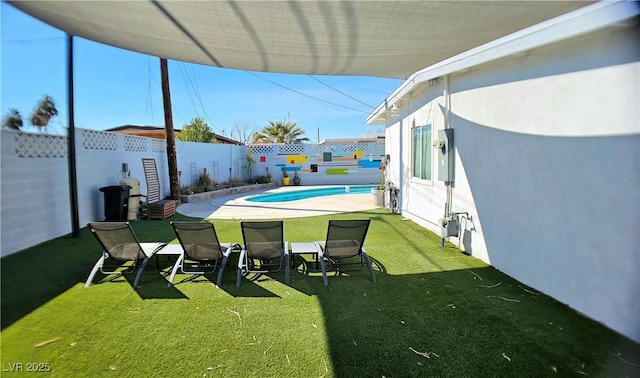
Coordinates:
(369,38)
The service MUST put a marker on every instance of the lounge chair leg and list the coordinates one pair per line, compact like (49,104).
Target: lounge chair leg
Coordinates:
(241,259)
(324,271)
(219,280)
(175,270)
(94,271)
(140,270)
(287,265)
(368,261)
(238,277)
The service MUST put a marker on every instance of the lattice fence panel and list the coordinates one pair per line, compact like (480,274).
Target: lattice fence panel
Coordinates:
(292,149)
(323,148)
(41,146)
(98,140)
(354,147)
(262,148)
(135,143)
(158,145)
(380,147)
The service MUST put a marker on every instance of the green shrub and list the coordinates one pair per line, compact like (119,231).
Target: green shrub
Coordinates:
(204,183)
(262,179)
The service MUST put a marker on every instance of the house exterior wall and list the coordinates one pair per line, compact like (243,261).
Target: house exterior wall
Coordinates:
(34,186)
(547,164)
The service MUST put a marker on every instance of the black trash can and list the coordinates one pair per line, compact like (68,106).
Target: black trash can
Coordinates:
(116,202)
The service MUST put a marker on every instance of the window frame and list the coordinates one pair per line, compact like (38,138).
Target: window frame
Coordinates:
(421,177)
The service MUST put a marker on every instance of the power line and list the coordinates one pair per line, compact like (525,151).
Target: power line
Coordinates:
(339,91)
(159,86)
(197,94)
(306,95)
(149,103)
(31,39)
(188,91)
(149,97)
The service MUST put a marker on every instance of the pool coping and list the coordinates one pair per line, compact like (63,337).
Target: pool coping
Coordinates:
(235,206)
(343,190)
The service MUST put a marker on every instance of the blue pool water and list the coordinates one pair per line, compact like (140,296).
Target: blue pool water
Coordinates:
(310,193)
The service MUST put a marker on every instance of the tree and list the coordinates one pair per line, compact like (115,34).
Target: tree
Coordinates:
(246,131)
(197,131)
(44,111)
(280,132)
(13,120)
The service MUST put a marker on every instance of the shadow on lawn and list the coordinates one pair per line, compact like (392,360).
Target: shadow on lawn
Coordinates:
(471,322)
(33,277)
(153,284)
(38,274)
(250,287)
(454,321)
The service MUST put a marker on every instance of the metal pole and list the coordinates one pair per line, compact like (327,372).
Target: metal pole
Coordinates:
(71,140)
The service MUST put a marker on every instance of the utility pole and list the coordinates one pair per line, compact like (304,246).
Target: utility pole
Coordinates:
(174,180)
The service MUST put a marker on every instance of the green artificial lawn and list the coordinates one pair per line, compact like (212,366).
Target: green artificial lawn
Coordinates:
(432,312)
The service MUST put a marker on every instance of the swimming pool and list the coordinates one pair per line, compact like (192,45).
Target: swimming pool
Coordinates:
(310,193)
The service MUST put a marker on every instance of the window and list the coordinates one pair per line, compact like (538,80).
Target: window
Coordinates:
(422,151)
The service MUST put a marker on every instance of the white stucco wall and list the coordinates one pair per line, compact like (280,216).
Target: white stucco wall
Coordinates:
(34,193)
(35,202)
(547,164)
(216,158)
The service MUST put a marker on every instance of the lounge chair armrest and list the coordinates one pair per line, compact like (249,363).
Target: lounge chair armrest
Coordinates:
(243,252)
(319,249)
(230,249)
(151,249)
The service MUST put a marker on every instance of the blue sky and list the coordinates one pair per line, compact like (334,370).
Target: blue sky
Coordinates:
(114,87)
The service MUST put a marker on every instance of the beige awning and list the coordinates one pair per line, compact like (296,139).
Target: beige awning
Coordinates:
(371,38)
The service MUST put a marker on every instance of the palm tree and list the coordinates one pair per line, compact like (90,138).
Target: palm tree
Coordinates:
(13,120)
(44,111)
(280,132)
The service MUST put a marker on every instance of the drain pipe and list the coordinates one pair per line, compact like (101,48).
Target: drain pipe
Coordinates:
(447,125)
(461,228)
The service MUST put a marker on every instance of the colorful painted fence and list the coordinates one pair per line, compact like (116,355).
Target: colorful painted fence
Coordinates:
(318,164)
